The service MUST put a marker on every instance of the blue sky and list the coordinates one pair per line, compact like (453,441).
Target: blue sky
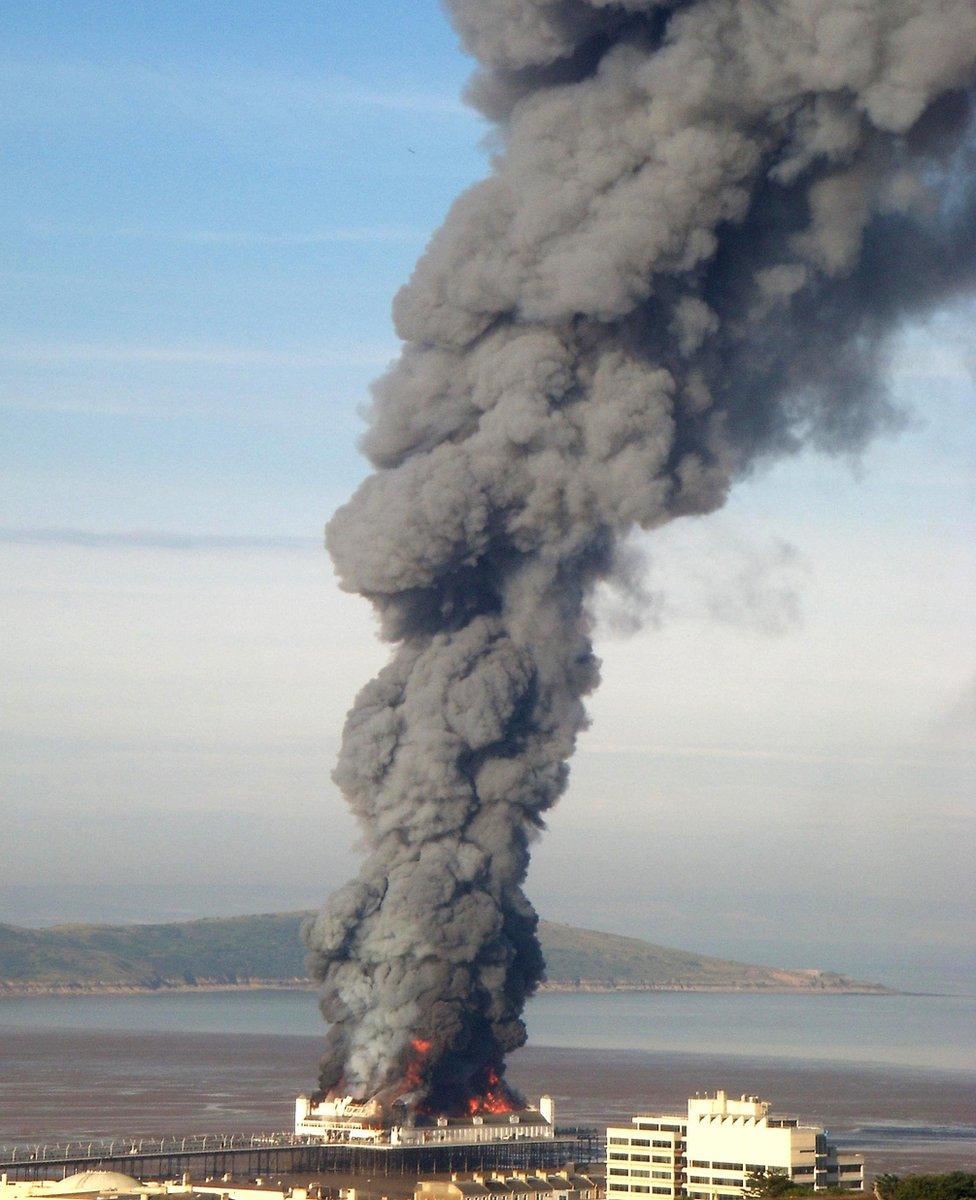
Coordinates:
(208,208)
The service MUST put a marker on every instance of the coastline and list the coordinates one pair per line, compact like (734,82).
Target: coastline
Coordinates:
(22,990)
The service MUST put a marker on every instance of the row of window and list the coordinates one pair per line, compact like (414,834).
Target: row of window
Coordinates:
(640,1187)
(622,1156)
(713,1180)
(751,1168)
(646,1142)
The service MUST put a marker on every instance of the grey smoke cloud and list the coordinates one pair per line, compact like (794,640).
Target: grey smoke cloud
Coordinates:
(718,577)
(704,220)
(760,592)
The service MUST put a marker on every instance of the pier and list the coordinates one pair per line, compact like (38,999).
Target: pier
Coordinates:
(246,1155)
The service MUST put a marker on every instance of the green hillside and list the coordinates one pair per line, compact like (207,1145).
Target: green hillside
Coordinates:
(579,957)
(220,950)
(267,947)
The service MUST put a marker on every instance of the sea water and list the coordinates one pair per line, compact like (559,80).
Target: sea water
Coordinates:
(935,1032)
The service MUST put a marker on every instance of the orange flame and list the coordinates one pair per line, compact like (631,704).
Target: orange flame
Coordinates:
(413,1076)
(494,1100)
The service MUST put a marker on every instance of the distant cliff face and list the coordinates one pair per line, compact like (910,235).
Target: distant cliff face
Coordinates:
(261,949)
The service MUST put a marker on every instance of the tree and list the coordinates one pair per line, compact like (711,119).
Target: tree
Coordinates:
(957,1185)
(772,1183)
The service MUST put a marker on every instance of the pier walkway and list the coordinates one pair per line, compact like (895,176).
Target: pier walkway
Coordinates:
(248,1155)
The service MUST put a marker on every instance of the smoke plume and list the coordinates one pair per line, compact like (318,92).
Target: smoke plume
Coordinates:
(703,220)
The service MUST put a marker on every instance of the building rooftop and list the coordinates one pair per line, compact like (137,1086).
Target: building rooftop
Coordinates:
(97,1183)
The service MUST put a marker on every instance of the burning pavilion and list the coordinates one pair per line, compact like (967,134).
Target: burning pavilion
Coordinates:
(350,1122)
(349,1134)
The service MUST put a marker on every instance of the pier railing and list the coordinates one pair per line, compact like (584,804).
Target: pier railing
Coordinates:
(101,1148)
(281,1152)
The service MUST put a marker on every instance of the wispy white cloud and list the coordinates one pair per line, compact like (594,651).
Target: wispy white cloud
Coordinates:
(101,405)
(236,238)
(756,754)
(363,354)
(149,539)
(244,238)
(36,86)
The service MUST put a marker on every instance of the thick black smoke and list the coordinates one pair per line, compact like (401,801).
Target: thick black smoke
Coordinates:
(704,220)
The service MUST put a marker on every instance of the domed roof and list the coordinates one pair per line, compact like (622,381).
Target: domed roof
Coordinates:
(90,1182)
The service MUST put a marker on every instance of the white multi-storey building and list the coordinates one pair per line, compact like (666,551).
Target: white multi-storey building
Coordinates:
(710,1153)
(648,1158)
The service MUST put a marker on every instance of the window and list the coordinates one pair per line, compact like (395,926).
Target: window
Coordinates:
(616,1156)
(803,1170)
(640,1141)
(641,1174)
(701,1162)
(667,1158)
(661,1191)
(755,1168)
(850,1168)
(660,1174)
(638,1187)
(727,1166)
(670,1128)
(660,1143)
(619,1141)
(640,1158)
(618,1171)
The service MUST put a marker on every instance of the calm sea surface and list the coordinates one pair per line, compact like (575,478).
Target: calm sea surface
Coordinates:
(936,1032)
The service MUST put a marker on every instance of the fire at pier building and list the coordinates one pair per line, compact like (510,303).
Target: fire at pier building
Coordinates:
(710,1153)
(366,1123)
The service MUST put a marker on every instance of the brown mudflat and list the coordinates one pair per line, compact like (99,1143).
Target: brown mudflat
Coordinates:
(58,1084)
